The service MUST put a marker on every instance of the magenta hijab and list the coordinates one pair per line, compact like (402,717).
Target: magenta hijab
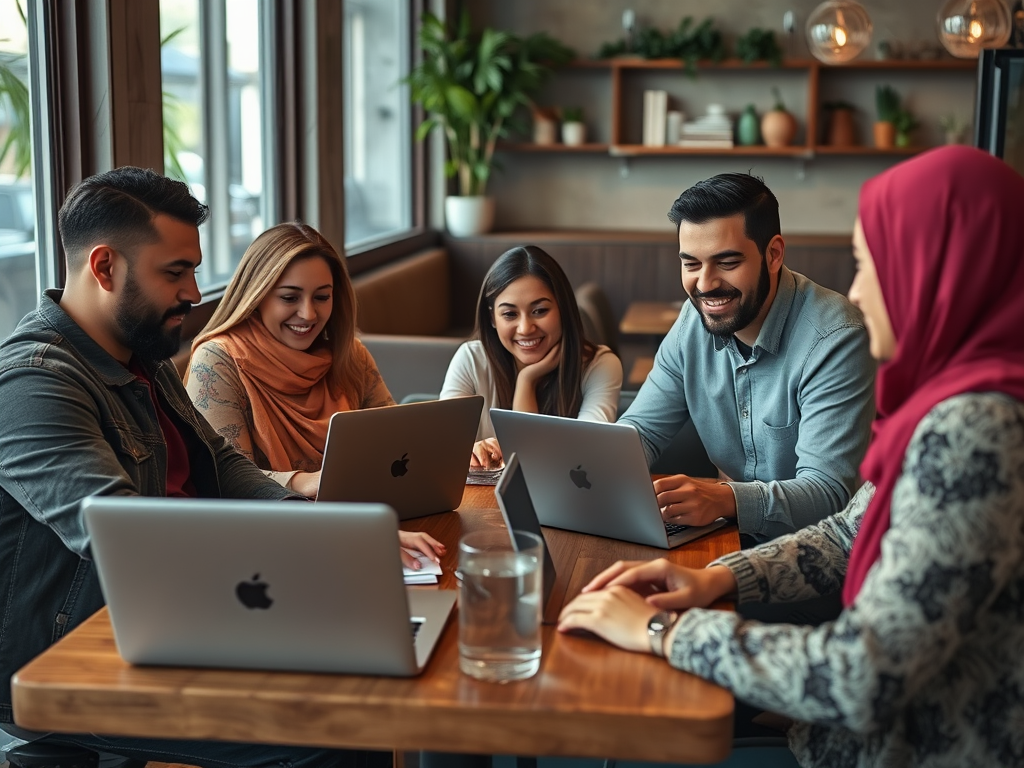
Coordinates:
(946,233)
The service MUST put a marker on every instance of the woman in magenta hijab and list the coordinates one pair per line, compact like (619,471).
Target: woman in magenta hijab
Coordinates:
(925,665)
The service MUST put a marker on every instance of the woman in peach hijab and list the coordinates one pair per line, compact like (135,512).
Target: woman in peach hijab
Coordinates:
(279,357)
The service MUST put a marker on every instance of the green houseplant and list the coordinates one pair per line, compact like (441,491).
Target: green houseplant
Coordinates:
(17,143)
(887,105)
(688,43)
(470,86)
(905,123)
(759,45)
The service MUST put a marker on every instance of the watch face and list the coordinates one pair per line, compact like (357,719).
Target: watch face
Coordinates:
(660,622)
(657,627)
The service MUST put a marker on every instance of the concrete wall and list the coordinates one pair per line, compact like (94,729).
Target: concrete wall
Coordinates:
(597,191)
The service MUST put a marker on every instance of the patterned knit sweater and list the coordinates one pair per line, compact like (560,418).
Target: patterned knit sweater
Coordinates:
(927,667)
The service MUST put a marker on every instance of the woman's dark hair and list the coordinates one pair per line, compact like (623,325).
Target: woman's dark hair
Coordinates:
(560,392)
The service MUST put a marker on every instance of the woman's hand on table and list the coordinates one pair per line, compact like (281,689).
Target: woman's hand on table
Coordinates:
(617,614)
(619,602)
(486,453)
(420,542)
(667,586)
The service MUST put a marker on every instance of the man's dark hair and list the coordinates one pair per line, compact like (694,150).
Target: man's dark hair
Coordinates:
(729,194)
(117,207)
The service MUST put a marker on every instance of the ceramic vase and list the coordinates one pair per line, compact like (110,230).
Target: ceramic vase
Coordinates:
(885,135)
(778,128)
(841,129)
(466,216)
(748,128)
(544,130)
(574,134)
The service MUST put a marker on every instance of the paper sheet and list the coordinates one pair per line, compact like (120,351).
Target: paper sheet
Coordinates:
(426,575)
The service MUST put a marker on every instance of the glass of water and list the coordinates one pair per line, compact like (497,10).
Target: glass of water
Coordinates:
(500,604)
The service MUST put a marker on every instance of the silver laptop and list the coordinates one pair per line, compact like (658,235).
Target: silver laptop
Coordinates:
(590,477)
(412,457)
(519,515)
(276,585)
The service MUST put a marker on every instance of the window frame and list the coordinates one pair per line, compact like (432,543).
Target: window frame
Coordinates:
(96,93)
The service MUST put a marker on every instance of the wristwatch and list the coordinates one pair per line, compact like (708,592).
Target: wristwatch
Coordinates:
(657,628)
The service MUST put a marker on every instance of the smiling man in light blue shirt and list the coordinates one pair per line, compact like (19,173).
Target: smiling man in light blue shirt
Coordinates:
(773,369)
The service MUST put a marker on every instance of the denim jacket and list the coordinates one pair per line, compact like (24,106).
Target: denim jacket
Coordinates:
(788,426)
(74,422)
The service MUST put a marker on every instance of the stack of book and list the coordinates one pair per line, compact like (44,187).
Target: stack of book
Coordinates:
(713,130)
(655,114)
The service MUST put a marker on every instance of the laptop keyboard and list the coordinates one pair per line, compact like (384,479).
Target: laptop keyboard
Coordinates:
(414,625)
(673,528)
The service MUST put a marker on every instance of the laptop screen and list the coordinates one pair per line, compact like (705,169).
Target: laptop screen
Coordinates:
(517,508)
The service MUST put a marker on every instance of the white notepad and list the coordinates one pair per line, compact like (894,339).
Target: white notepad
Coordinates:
(426,575)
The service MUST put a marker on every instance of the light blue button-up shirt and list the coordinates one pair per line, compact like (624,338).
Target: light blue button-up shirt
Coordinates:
(790,425)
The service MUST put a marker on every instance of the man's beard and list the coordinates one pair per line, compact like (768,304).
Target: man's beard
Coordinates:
(745,313)
(143,326)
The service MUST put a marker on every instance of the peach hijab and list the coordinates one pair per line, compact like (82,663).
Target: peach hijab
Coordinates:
(946,233)
(289,395)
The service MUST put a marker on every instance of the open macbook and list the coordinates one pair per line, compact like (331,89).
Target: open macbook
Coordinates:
(276,585)
(517,510)
(413,457)
(590,477)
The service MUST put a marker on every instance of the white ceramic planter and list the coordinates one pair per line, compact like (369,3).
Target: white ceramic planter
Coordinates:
(467,216)
(574,134)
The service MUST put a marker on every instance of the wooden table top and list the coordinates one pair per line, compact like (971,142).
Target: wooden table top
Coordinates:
(650,317)
(589,699)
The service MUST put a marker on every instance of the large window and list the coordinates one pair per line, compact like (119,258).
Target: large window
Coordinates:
(378,133)
(210,62)
(18,290)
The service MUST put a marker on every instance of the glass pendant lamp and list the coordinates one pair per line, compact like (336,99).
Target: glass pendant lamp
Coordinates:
(967,26)
(838,30)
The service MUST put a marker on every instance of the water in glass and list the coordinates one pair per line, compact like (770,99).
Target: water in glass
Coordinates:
(500,606)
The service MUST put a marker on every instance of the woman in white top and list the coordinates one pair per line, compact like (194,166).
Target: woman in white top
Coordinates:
(529,353)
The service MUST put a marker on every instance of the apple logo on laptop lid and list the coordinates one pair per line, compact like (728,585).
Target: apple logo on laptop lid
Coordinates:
(398,466)
(579,477)
(253,593)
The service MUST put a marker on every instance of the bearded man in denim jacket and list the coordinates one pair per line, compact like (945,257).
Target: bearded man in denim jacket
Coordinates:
(92,405)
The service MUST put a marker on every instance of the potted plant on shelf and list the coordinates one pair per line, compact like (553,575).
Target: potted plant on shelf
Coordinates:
(759,45)
(688,43)
(545,125)
(952,128)
(574,132)
(887,104)
(471,85)
(904,124)
(778,126)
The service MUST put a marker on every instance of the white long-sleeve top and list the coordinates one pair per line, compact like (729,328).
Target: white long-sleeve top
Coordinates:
(470,374)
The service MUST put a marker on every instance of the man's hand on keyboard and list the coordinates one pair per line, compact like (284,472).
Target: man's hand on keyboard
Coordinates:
(686,500)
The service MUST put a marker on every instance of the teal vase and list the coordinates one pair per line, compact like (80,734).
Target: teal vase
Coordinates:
(748,128)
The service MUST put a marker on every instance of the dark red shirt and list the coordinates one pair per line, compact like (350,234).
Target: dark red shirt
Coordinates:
(179,470)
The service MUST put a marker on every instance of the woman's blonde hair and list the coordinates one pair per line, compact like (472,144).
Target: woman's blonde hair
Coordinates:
(262,265)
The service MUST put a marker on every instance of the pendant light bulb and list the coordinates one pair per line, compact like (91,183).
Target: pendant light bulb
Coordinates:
(838,30)
(967,26)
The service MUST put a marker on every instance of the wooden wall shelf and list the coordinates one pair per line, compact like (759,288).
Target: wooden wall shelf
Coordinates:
(626,79)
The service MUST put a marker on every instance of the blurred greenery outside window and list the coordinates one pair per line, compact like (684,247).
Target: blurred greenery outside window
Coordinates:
(210,66)
(18,290)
